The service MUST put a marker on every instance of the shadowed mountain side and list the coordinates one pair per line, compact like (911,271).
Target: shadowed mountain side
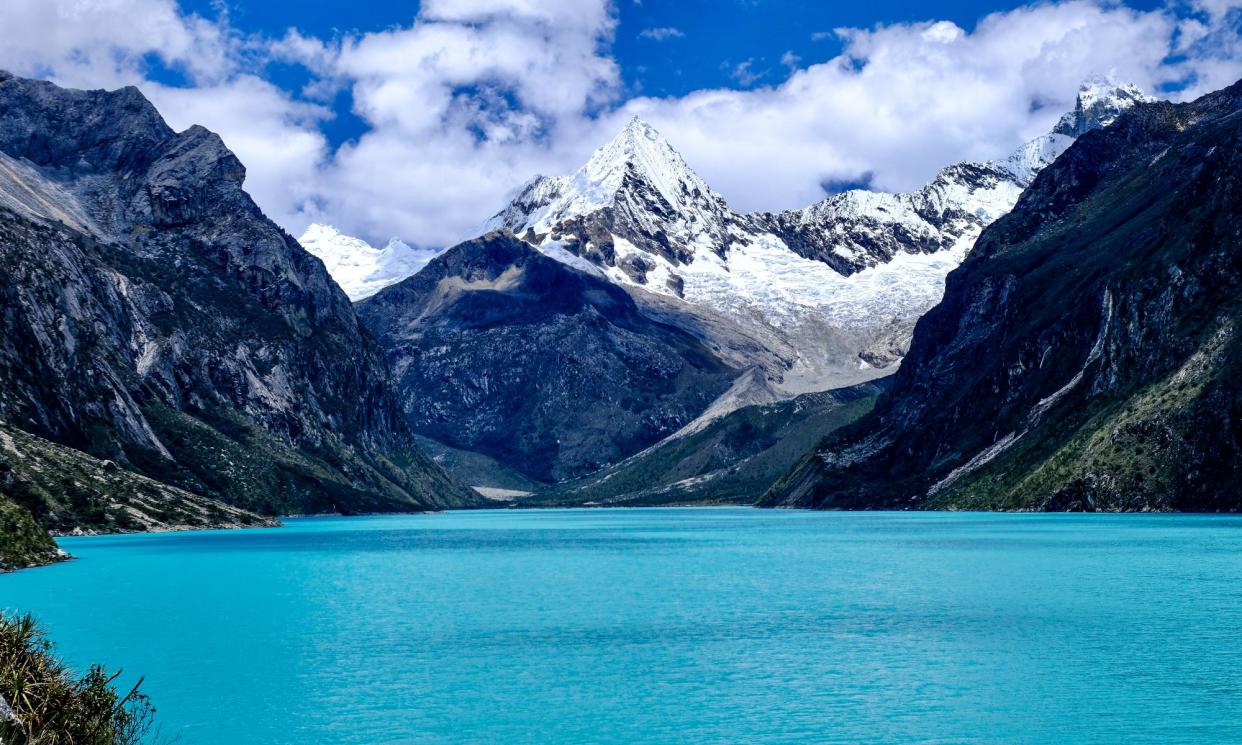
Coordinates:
(731,460)
(554,373)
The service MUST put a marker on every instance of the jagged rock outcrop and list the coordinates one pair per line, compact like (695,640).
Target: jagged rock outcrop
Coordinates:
(859,229)
(1086,354)
(553,372)
(153,316)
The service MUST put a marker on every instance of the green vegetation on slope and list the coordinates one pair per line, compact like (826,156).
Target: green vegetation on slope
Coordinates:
(49,487)
(43,703)
(732,460)
(22,542)
(1128,454)
(231,458)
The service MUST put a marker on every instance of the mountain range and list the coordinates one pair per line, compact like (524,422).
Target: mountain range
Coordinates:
(791,303)
(1053,330)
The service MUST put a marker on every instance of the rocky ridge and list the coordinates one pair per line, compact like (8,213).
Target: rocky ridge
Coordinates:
(498,349)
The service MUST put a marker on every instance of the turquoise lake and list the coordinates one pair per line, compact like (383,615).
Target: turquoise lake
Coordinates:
(668,626)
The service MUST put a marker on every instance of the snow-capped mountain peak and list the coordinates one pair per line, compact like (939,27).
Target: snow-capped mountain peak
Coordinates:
(1100,101)
(638,186)
(358,267)
(638,151)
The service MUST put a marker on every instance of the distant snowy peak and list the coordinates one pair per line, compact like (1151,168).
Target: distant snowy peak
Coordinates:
(358,267)
(641,153)
(638,188)
(1100,101)
(531,198)
(858,229)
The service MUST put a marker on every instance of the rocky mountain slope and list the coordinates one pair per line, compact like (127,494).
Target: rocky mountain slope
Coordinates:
(500,350)
(68,491)
(359,268)
(155,318)
(816,298)
(1086,354)
(732,459)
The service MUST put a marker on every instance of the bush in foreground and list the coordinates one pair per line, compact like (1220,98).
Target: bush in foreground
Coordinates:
(43,703)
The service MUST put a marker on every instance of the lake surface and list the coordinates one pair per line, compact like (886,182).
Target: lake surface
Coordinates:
(668,625)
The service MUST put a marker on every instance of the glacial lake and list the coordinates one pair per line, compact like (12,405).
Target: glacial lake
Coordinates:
(668,626)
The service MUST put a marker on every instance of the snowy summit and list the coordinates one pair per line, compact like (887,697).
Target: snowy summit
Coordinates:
(358,267)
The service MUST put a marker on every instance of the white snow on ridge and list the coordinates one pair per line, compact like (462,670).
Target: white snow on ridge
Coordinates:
(594,186)
(359,268)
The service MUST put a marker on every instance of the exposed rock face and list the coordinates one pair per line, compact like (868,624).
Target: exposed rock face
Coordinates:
(1086,354)
(153,316)
(553,372)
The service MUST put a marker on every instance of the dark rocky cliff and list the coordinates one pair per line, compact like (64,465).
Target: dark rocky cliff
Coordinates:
(154,316)
(1086,355)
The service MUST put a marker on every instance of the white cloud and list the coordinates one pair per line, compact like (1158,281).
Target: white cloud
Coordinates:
(104,42)
(745,74)
(902,101)
(661,33)
(475,96)
(464,105)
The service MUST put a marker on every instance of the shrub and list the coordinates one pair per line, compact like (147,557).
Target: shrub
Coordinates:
(43,703)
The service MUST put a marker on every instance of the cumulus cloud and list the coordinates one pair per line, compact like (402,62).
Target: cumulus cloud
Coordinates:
(901,101)
(475,96)
(463,105)
(106,42)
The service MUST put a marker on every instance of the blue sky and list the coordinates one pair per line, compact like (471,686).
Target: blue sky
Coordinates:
(664,47)
(419,120)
